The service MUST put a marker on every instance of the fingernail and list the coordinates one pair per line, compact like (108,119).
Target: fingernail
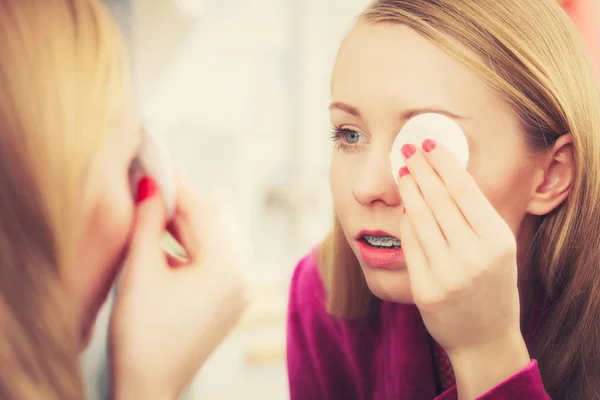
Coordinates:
(404,210)
(408,150)
(403,172)
(146,189)
(428,145)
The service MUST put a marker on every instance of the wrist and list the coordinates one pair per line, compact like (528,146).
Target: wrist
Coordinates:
(129,387)
(480,368)
(125,392)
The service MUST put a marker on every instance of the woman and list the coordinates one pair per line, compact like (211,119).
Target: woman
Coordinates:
(69,138)
(457,284)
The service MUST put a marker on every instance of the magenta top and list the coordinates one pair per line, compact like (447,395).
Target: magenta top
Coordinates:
(385,355)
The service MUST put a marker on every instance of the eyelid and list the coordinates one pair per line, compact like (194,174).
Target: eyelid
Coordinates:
(362,132)
(340,131)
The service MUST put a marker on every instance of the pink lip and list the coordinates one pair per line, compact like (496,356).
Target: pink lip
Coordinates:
(379,258)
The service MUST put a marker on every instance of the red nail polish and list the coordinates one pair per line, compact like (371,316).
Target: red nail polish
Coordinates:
(404,210)
(146,189)
(403,172)
(428,145)
(408,150)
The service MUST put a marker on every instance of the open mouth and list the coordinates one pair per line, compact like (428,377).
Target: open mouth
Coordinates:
(379,249)
(382,242)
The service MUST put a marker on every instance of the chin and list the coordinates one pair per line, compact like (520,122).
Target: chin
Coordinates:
(389,285)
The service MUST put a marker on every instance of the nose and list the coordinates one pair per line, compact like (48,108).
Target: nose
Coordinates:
(375,184)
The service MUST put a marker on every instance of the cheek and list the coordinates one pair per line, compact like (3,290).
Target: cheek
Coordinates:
(110,234)
(107,233)
(508,188)
(340,181)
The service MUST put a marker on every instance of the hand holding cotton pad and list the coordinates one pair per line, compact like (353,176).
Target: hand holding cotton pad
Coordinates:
(155,162)
(442,129)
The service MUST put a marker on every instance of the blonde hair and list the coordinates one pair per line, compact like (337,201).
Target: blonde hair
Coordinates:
(530,53)
(63,84)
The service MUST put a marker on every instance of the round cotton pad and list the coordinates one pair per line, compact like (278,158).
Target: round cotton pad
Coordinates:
(442,129)
(155,162)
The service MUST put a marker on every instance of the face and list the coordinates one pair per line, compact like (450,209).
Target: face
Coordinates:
(384,74)
(108,220)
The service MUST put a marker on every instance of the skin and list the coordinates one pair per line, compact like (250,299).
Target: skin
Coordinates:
(107,221)
(384,74)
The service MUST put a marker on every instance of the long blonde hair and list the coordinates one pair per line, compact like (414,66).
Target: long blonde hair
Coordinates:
(63,82)
(530,53)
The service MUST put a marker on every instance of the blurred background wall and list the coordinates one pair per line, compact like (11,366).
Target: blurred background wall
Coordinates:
(586,14)
(240,89)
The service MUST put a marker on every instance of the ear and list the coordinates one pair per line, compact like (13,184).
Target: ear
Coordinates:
(557,169)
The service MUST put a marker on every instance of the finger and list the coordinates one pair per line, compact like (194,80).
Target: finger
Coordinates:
(149,221)
(421,275)
(454,227)
(195,223)
(476,208)
(426,228)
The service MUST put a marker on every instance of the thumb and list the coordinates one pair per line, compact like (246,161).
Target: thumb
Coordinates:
(150,221)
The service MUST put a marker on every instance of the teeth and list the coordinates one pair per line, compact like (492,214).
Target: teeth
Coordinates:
(382,241)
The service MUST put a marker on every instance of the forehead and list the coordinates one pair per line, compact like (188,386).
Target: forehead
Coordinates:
(393,64)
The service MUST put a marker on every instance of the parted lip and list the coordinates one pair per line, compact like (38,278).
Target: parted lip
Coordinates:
(364,233)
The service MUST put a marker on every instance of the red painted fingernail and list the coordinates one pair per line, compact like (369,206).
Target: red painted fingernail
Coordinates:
(146,189)
(403,172)
(408,150)
(428,145)
(404,211)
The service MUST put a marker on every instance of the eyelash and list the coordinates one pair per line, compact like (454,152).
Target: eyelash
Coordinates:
(337,135)
(135,165)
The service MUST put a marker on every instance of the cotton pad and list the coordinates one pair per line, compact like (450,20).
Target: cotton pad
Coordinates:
(441,129)
(155,162)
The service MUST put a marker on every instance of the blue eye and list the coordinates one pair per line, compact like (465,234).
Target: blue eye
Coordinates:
(347,139)
(351,137)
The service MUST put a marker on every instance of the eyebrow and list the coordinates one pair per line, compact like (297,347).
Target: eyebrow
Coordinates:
(404,115)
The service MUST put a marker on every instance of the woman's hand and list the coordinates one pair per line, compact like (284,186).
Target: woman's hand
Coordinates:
(461,259)
(170,315)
